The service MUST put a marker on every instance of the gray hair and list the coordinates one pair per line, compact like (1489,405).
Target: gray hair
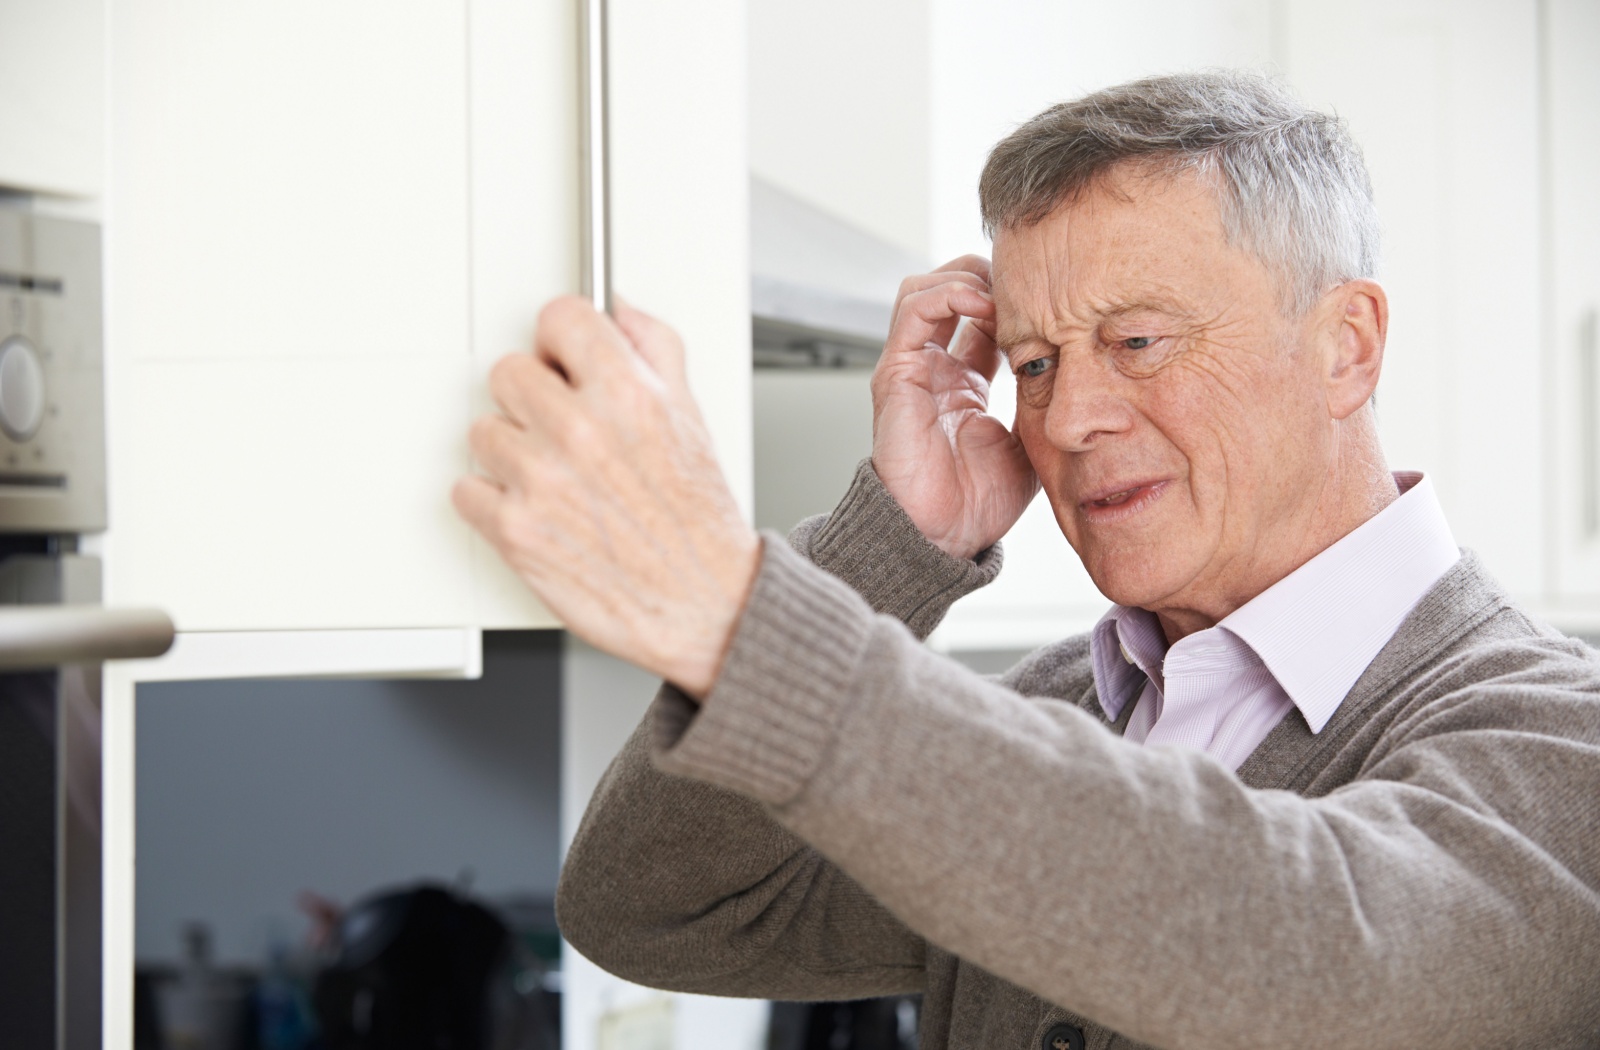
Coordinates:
(1292,188)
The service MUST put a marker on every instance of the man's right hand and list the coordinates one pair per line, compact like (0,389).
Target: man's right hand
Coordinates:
(959,473)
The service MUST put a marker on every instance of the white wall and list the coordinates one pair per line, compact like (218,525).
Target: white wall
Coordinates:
(1446,108)
(839,109)
(998,62)
(249,792)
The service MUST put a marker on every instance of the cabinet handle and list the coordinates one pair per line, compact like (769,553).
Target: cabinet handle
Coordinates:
(1589,395)
(596,175)
(40,636)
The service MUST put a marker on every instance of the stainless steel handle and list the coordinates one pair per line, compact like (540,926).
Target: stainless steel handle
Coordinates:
(596,176)
(1589,420)
(39,636)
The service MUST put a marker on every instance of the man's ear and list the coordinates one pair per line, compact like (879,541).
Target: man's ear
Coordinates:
(1352,323)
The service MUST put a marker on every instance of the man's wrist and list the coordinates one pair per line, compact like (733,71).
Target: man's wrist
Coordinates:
(736,573)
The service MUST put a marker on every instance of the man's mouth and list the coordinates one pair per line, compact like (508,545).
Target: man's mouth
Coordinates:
(1124,499)
(1115,498)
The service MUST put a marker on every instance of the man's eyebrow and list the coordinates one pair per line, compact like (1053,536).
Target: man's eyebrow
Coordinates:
(1010,334)
(1007,336)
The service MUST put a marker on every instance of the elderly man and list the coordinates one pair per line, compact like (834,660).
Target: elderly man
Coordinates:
(1313,780)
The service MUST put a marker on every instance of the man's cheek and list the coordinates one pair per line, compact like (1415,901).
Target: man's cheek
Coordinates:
(1029,428)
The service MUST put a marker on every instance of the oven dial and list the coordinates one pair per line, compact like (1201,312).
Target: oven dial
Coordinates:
(21,389)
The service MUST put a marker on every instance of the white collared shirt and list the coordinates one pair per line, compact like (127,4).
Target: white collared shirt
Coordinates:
(1301,643)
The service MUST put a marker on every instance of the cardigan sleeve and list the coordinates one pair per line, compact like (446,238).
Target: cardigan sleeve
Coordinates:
(870,544)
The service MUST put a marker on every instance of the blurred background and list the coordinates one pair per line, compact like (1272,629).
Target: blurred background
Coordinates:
(322,223)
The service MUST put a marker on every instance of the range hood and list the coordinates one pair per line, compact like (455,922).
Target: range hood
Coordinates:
(821,288)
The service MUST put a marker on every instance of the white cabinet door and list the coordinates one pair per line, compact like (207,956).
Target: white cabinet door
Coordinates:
(680,193)
(52,96)
(523,71)
(290,244)
(325,222)
(288,247)
(1572,342)
(679,204)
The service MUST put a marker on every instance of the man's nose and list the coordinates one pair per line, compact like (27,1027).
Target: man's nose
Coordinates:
(1087,403)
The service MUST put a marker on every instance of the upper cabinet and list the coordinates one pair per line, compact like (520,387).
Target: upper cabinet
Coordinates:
(324,225)
(289,317)
(52,96)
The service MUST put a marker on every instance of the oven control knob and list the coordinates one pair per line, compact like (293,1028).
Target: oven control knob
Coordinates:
(21,389)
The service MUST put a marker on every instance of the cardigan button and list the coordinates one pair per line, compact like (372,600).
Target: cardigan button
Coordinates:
(1063,1037)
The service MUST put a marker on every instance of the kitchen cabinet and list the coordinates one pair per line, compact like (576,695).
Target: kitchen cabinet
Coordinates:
(323,224)
(290,316)
(319,242)
(52,97)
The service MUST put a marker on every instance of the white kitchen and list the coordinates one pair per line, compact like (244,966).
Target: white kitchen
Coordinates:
(313,228)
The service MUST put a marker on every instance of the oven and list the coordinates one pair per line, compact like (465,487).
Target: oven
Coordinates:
(54,632)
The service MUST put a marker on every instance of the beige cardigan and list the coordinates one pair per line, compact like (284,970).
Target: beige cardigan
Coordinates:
(850,814)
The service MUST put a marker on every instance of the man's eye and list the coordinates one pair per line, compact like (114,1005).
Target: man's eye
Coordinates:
(1037,367)
(1138,342)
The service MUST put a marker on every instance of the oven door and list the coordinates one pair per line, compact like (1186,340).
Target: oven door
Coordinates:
(50,867)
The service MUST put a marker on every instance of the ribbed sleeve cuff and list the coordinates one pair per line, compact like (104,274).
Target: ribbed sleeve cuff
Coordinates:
(870,543)
(771,717)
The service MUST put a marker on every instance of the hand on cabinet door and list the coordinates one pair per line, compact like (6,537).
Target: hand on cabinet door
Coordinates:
(600,489)
(960,474)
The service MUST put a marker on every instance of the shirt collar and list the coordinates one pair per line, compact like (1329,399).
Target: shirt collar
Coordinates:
(1318,628)
(1128,648)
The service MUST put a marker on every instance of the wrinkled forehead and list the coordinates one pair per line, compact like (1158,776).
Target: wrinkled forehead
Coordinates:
(1136,242)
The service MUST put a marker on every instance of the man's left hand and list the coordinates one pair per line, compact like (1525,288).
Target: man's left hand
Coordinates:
(603,494)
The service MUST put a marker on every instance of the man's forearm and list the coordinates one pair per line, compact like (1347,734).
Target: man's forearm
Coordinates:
(678,884)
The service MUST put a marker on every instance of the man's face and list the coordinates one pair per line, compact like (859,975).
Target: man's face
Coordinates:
(1180,430)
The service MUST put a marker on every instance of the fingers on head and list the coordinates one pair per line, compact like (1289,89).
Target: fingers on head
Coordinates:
(919,282)
(976,349)
(943,295)
(931,314)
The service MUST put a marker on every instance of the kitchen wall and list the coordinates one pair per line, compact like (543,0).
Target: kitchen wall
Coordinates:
(839,109)
(998,62)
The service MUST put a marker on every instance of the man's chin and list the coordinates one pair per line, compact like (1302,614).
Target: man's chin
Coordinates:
(1132,582)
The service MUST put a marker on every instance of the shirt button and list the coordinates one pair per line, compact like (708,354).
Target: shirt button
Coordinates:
(1063,1037)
